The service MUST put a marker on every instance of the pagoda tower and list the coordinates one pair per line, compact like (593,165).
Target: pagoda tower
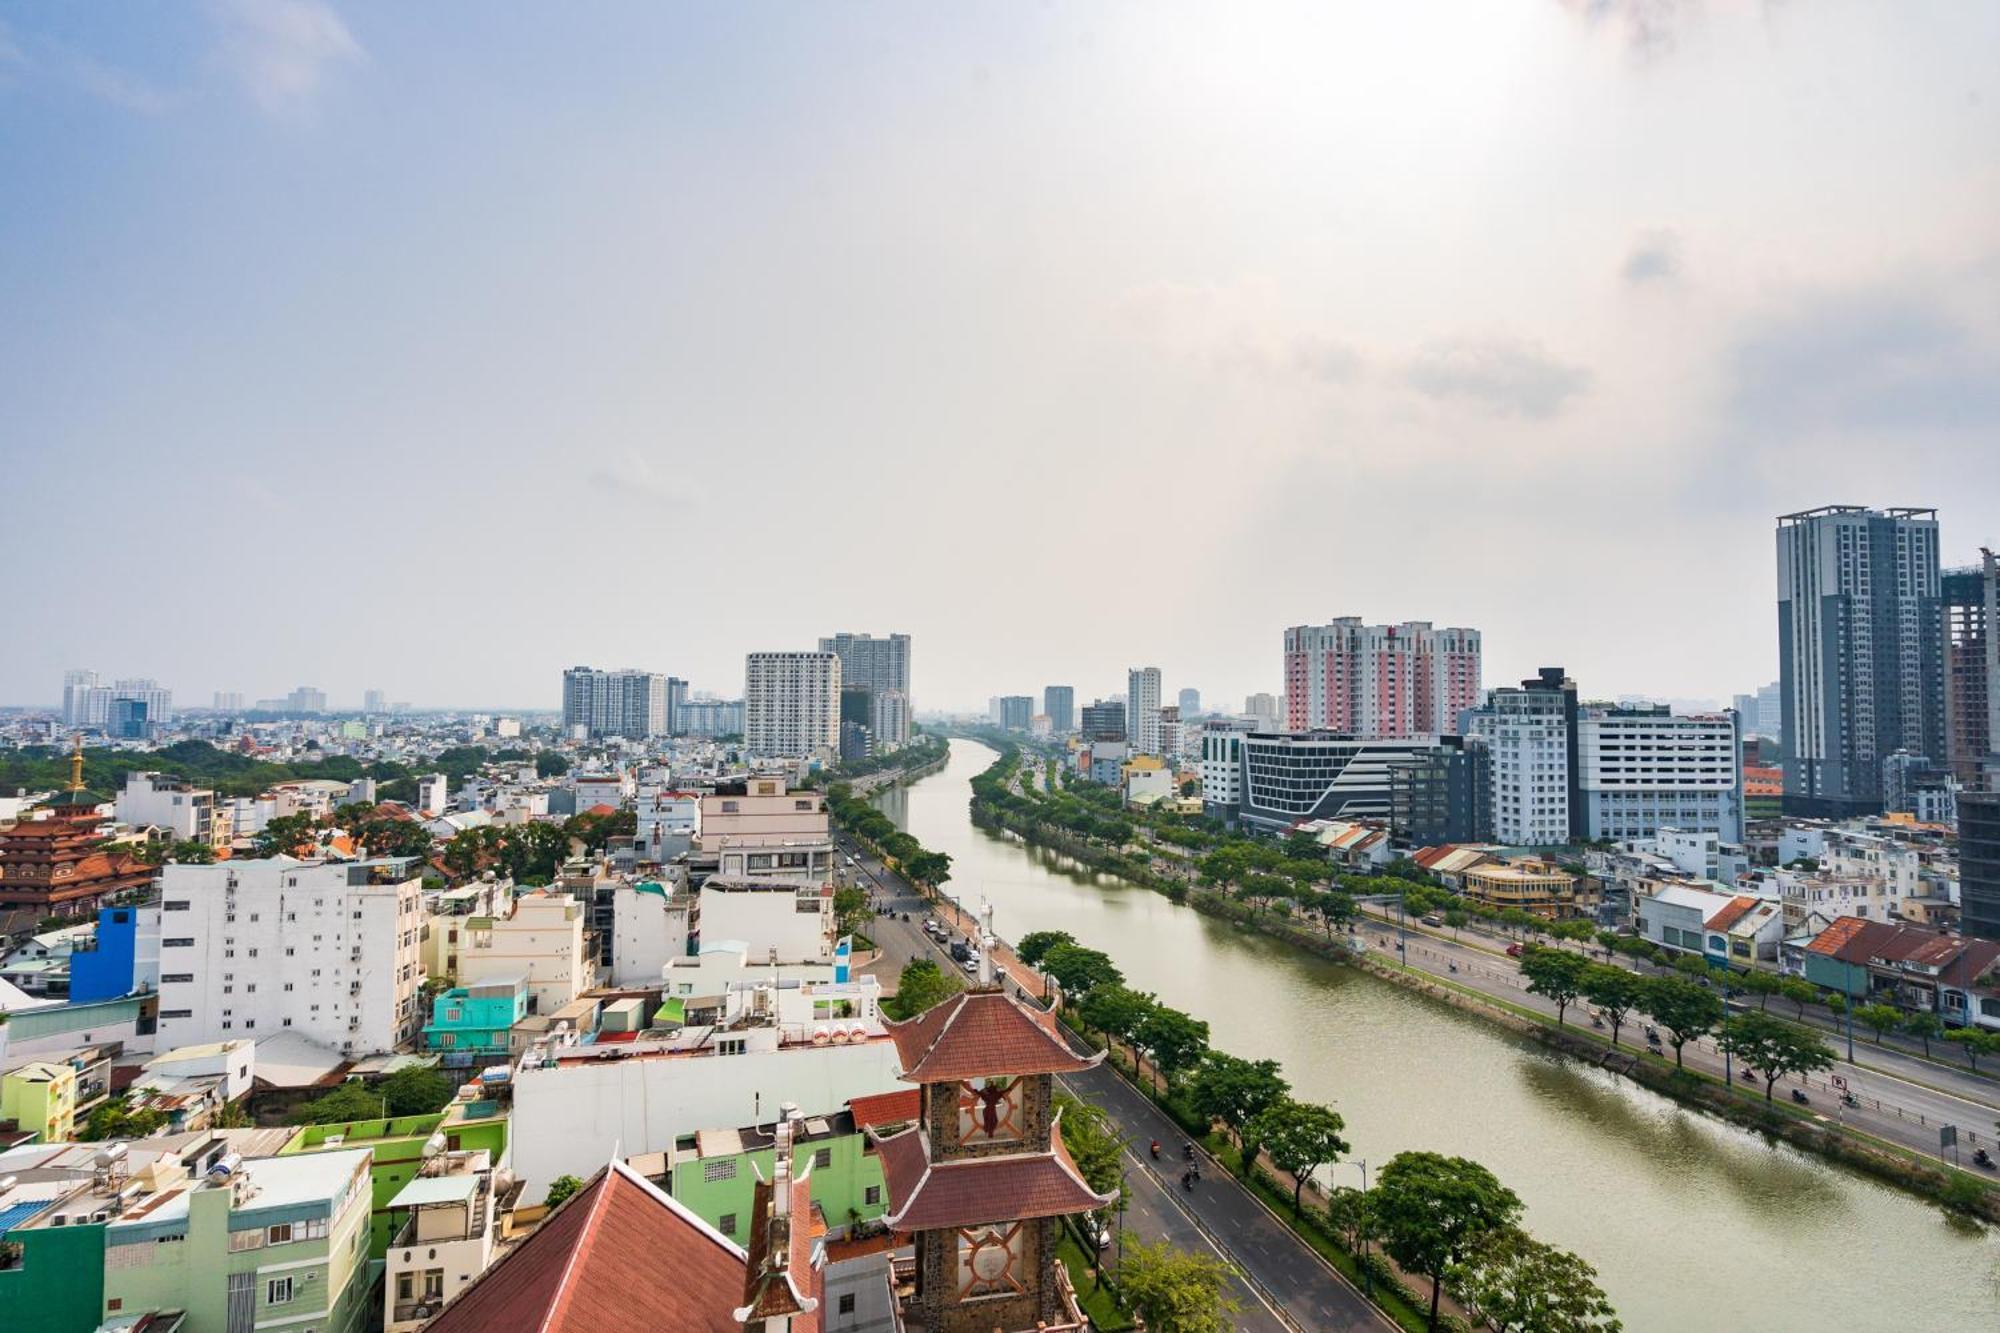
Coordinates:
(982,1180)
(52,862)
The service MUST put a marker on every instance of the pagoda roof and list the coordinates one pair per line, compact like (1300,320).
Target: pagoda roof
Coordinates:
(983,1034)
(70,800)
(927,1196)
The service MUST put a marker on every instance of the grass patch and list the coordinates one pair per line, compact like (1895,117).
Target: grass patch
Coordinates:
(1100,1304)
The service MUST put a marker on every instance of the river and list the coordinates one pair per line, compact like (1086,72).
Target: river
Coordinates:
(1692,1224)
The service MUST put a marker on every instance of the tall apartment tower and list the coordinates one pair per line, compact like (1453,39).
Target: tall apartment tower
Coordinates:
(1142,709)
(791,703)
(1059,702)
(1968,670)
(1860,651)
(1532,733)
(628,703)
(1378,682)
(878,666)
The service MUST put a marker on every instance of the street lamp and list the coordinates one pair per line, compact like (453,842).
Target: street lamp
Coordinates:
(1361,1259)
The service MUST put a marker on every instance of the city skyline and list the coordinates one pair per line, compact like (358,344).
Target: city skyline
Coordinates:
(1533,340)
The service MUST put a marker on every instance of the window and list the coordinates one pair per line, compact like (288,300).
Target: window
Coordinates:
(174,905)
(171,978)
(823,1159)
(847,1303)
(246,1240)
(723,1168)
(727,1224)
(278,1291)
(872,1195)
(279,1234)
(177,944)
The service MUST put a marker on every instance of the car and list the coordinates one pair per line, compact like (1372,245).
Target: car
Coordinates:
(1433,920)
(970,964)
(1514,950)
(1096,1232)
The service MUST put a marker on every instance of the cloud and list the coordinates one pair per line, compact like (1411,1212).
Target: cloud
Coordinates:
(1886,360)
(10,50)
(629,476)
(282,50)
(119,87)
(1240,328)
(1506,376)
(1655,257)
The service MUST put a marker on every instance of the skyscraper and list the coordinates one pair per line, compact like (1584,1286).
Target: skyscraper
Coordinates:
(1103,721)
(1380,681)
(1533,734)
(374,701)
(1059,702)
(1189,704)
(77,687)
(1860,651)
(1968,684)
(1142,709)
(791,703)
(1015,710)
(875,665)
(625,703)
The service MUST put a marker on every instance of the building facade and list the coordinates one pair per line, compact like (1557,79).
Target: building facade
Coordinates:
(1979,863)
(1642,769)
(1532,732)
(1380,681)
(627,703)
(1288,778)
(1103,721)
(791,703)
(1059,702)
(1860,651)
(1142,709)
(331,950)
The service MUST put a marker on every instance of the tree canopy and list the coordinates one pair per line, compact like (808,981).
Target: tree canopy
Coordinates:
(1773,1047)
(1555,974)
(1686,1009)
(1176,1291)
(1431,1211)
(1300,1137)
(1525,1286)
(921,986)
(1235,1091)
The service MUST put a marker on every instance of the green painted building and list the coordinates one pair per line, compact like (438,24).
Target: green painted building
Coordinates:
(58,1272)
(278,1242)
(477,1018)
(396,1149)
(715,1173)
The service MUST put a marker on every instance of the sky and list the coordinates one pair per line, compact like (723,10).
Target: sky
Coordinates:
(433,348)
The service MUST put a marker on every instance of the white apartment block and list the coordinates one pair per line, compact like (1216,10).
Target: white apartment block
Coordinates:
(328,949)
(776,920)
(1380,681)
(651,927)
(1645,769)
(433,795)
(1222,765)
(1529,734)
(541,942)
(149,800)
(791,703)
(1142,709)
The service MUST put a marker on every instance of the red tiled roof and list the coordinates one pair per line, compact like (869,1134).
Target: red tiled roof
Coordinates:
(617,1257)
(926,1195)
(1844,930)
(1733,912)
(772,1291)
(980,1033)
(602,809)
(886,1108)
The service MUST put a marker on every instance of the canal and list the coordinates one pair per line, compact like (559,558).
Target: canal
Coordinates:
(1692,1224)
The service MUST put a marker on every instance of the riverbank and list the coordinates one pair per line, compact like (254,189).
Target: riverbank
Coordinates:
(1961,1191)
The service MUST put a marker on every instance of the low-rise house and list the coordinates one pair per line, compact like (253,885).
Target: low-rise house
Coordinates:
(543,941)
(782,920)
(1450,861)
(444,1229)
(122,956)
(1536,887)
(714,1171)
(1350,845)
(1676,917)
(39,1098)
(1145,778)
(477,1019)
(654,923)
(1914,967)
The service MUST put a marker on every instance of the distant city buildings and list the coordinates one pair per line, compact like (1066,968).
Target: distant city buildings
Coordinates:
(711,717)
(228,701)
(1532,732)
(1015,711)
(1142,709)
(627,703)
(1059,702)
(1969,666)
(879,668)
(1189,703)
(1860,651)
(791,703)
(1379,681)
(90,704)
(374,701)
(1264,711)
(1103,721)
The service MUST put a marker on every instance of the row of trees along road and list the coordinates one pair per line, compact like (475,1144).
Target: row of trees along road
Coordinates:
(1686,1008)
(1446,1219)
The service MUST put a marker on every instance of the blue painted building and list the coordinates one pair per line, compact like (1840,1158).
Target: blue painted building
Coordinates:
(109,969)
(477,1018)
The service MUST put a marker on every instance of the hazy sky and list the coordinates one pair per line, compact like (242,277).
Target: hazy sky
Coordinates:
(435,347)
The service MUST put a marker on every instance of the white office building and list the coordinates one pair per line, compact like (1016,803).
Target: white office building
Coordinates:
(1528,730)
(542,940)
(776,920)
(149,800)
(1142,709)
(327,949)
(1644,769)
(791,703)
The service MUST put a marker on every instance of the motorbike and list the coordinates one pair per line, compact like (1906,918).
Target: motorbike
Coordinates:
(1799,1096)
(1849,1099)
(1981,1158)
(1156,1150)
(1596,1022)
(1454,967)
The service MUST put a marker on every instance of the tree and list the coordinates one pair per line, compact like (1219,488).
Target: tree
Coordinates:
(1692,966)
(1880,1018)
(921,986)
(1177,1042)
(850,908)
(1976,1043)
(1235,1091)
(1094,1144)
(1077,969)
(1431,1210)
(1035,945)
(1614,991)
(1607,940)
(1556,975)
(1117,1012)
(1800,992)
(1456,919)
(416,1090)
(1761,984)
(1300,1137)
(1773,1047)
(560,1189)
(549,764)
(349,1101)
(1522,1285)
(189,853)
(285,835)
(927,868)
(1686,1009)
(1925,1027)
(1176,1291)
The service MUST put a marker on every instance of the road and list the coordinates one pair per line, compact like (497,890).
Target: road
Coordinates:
(1281,1284)
(1892,1108)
